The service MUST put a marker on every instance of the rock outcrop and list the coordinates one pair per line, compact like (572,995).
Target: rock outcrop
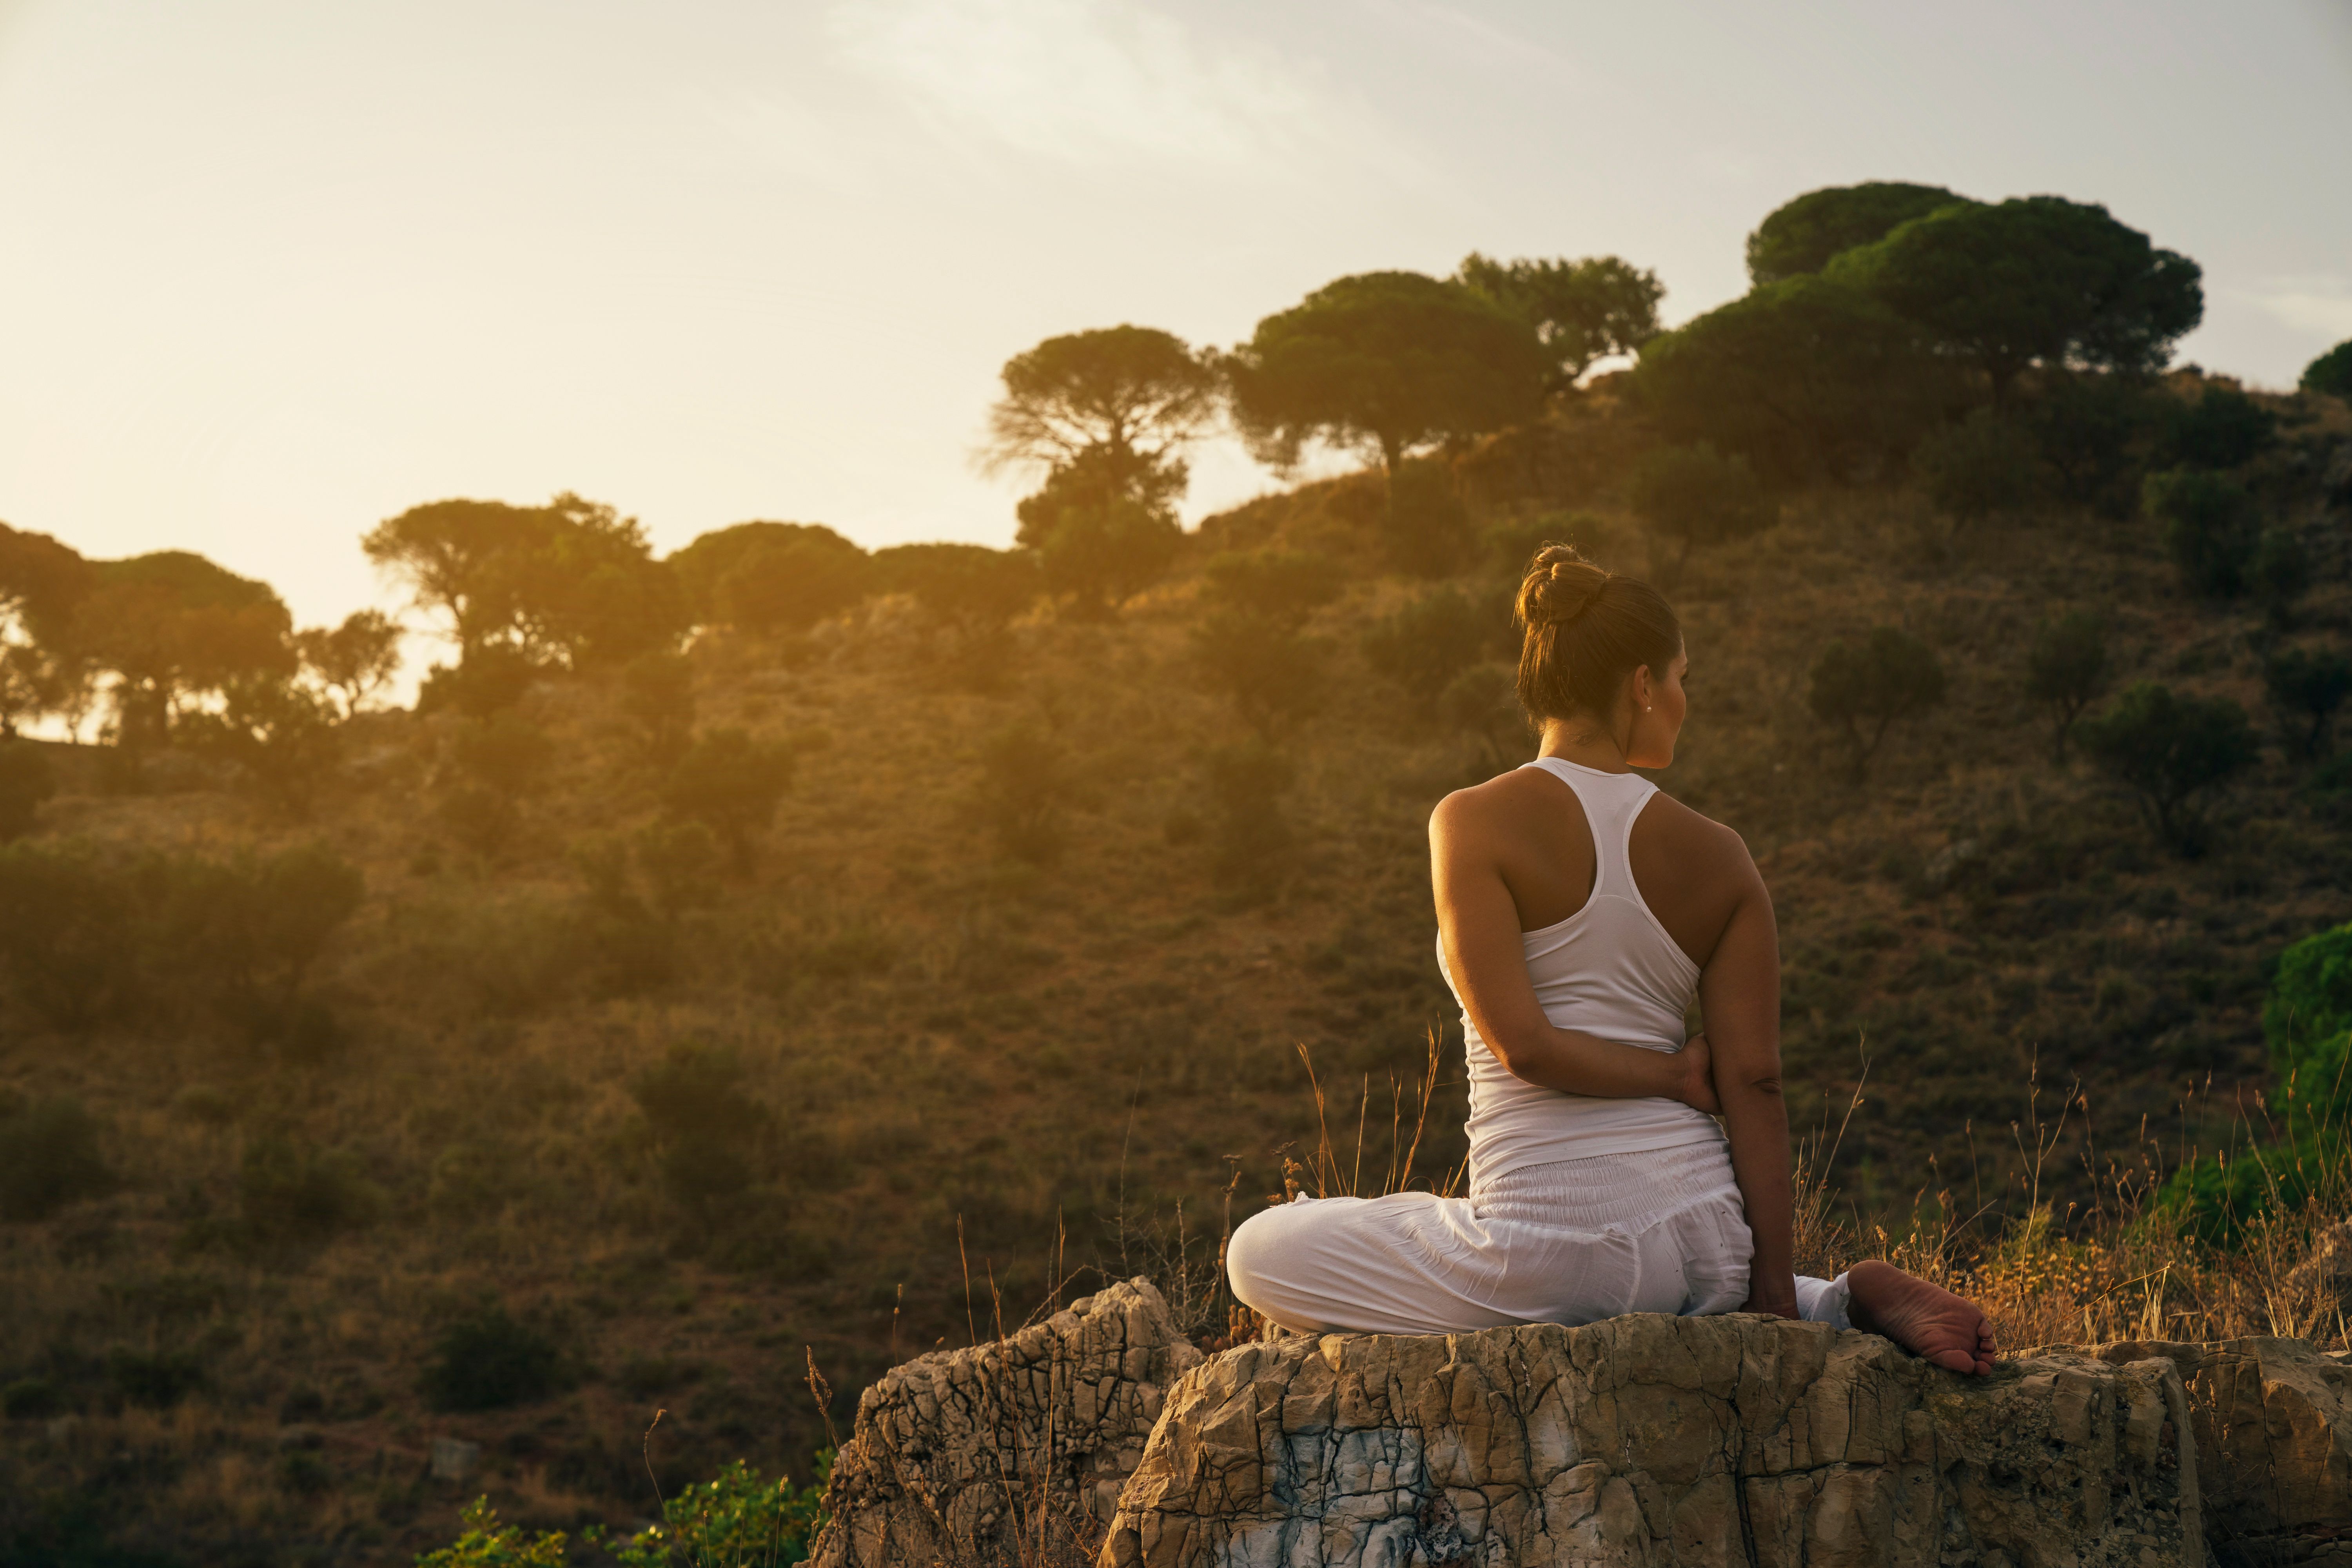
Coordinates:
(2272,1421)
(954,1451)
(1650,1439)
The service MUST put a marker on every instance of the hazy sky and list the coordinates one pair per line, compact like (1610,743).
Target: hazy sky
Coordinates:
(271,271)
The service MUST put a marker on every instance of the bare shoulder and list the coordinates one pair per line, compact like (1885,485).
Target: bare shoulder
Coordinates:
(1689,838)
(1498,804)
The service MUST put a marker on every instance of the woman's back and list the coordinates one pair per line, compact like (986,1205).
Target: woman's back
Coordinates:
(1588,865)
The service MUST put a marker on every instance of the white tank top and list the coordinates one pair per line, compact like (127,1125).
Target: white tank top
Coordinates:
(1607,969)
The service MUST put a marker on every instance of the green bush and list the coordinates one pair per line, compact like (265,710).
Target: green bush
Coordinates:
(706,1123)
(2331,372)
(657,695)
(2173,752)
(154,1379)
(282,737)
(731,784)
(1250,839)
(1865,688)
(736,1521)
(2281,573)
(48,1157)
(491,677)
(506,753)
(2066,669)
(1426,643)
(32,1399)
(290,1193)
(26,779)
(2223,429)
(1272,675)
(489,1361)
(1689,496)
(487,1543)
(2210,527)
(2085,430)
(1425,531)
(1983,467)
(1027,791)
(2308,687)
(71,934)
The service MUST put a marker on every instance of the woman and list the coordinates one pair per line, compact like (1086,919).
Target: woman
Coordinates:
(1579,914)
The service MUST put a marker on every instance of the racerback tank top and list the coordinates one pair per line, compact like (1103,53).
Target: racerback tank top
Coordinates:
(1609,970)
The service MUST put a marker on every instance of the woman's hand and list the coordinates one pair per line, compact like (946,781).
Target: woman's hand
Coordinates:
(1696,1089)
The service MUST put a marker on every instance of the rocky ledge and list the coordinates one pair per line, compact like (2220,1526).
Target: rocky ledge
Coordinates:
(1643,1439)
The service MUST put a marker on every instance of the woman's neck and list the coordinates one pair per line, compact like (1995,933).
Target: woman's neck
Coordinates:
(1586,744)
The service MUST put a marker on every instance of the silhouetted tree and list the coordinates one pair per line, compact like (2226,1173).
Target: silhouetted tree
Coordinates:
(770,577)
(1582,311)
(2310,686)
(281,737)
(354,660)
(2084,427)
(2067,669)
(1104,527)
(731,784)
(172,627)
(969,586)
(1689,496)
(1981,467)
(1804,378)
(2033,280)
(2331,372)
(1866,688)
(2210,527)
(2222,427)
(1802,236)
(2172,752)
(1125,390)
(1385,361)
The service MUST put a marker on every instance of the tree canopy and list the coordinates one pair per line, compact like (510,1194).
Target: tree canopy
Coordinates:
(2331,372)
(2035,280)
(1801,235)
(1126,388)
(1688,496)
(172,625)
(1582,311)
(1803,378)
(572,582)
(769,576)
(1390,360)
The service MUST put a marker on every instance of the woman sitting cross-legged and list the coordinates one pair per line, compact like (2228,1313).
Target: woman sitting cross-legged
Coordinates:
(1579,913)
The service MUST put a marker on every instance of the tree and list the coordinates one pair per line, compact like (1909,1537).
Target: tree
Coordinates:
(2084,427)
(1582,311)
(172,627)
(2281,573)
(2331,372)
(2033,280)
(1126,390)
(1426,643)
(1983,467)
(969,586)
(1805,379)
(1104,527)
(572,583)
(1385,361)
(354,660)
(2312,686)
(2172,752)
(280,736)
(2210,527)
(1802,236)
(731,784)
(770,577)
(1687,496)
(657,693)
(1027,790)
(2222,427)
(2067,669)
(1866,688)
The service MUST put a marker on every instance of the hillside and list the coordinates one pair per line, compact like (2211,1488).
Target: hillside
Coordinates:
(1014,988)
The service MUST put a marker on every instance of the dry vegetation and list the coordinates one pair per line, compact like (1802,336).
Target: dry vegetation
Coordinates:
(1008,1013)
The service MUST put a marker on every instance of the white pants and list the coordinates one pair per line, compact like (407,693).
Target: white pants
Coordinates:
(1662,1230)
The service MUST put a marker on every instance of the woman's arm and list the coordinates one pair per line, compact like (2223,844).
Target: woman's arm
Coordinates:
(1739,992)
(1479,923)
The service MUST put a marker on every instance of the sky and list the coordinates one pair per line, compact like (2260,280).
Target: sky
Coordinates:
(272,271)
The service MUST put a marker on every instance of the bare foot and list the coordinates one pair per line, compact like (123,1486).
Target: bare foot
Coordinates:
(1697,1060)
(1926,1320)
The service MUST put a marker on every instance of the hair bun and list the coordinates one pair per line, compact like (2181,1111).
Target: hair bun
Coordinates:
(1561,586)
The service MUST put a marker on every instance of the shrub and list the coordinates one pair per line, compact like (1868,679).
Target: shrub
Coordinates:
(2281,573)
(32,1399)
(489,1361)
(1981,467)
(288,1193)
(280,736)
(48,1157)
(1425,531)
(492,676)
(482,820)
(2223,429)
(1026,793)
(2067,669)
(1271,674)
(1866,688)
(1687,496)
(2084,428)
(2209,526)
(154,1379)
(487,1543)
(2331,372)
(737,1520)
(2172,752)
(2309,687)
(731,784)
(657,695)
(506,753)
(70,934)
(1426,643)
(707,1125)
(26,779)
